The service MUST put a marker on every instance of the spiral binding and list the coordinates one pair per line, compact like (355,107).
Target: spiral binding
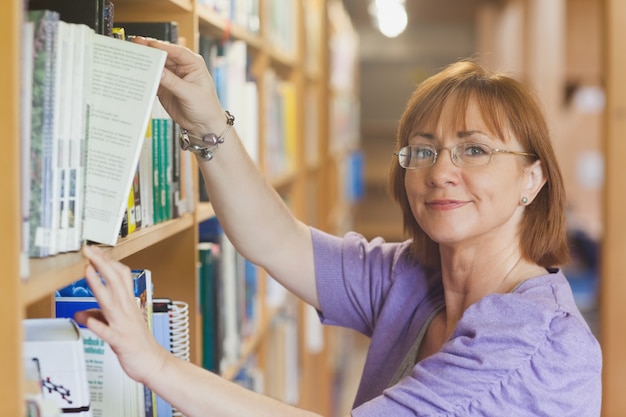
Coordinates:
(179,334)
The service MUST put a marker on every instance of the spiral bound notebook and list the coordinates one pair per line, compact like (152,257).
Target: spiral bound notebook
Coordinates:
(179,334)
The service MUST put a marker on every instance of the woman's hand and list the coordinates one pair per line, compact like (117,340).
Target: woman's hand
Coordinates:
(119,321)
(187,90)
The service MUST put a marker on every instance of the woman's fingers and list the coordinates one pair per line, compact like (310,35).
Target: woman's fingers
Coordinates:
(95,320)
(110,281)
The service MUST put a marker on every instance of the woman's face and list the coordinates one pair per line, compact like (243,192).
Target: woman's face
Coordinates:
(467,205)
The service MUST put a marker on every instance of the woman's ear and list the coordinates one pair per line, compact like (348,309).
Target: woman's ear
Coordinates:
(535,180)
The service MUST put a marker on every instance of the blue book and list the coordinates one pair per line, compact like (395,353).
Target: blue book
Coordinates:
(162,333)
(78,297)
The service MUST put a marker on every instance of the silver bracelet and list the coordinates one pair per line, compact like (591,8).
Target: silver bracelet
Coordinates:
(209,142)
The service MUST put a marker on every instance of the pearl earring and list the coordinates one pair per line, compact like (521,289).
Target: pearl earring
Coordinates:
(524,200)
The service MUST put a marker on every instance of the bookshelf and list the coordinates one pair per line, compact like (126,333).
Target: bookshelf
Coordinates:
(169,249)
(612,283)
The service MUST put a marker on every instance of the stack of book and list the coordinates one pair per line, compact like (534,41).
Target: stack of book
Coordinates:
(100,153)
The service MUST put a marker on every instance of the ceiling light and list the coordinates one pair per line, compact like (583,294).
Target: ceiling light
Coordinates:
(389,16)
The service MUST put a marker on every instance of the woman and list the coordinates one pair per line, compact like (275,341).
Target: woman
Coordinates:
(468,318)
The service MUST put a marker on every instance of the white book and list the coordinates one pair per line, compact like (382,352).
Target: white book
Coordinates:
(57,346)
(230,313)
(125,77)
(26,91)
(78,136)
(58,132)
(146,180)
(105,376)
(66,97)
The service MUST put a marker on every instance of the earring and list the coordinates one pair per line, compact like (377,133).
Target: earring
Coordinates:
(524,200)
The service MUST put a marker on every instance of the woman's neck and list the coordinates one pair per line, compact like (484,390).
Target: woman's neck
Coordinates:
(467,278)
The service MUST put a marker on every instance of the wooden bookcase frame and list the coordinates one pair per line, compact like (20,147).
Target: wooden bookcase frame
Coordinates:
(168,249)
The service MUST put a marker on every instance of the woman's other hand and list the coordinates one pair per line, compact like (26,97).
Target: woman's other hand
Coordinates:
(119,321)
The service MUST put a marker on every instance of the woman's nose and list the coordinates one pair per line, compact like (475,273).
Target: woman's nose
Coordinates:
(444,169)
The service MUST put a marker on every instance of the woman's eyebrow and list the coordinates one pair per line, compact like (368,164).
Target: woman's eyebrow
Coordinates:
(424,135)
(467,133)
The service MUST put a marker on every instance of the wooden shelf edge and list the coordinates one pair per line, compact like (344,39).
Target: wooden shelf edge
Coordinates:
(49,274)
(167,6)
(204,211)
(221,28)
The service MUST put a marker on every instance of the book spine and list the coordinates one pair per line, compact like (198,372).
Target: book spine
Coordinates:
(42,130)
(145,179)
(74,182)
(212,332)
(156,164)
(167,130)
(63,133)
(161,332)
(26,94)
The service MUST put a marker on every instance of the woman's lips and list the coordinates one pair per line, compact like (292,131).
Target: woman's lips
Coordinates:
(445,204)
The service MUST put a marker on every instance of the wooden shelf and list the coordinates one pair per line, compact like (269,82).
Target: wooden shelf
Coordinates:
(204,211)
(221,28)
(158,6)
(169,249)
(54,272)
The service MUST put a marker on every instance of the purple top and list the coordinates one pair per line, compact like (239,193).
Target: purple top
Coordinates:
(528,352)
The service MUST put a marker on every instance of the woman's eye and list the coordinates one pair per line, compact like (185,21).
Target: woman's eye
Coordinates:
(475,150)
(424,153)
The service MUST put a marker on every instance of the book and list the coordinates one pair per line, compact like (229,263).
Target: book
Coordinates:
(96,14)
(125,78)
(210,302)
(40,215)
(57,347)
(159,158)
(36,404)
(165,31)
(84,158)
(146,175)
(78,136)
(136,190)
(166,184)
(228,297)
(112,391)
(63,98)
(169,168)
(161,329)
(26,93)
(130,210)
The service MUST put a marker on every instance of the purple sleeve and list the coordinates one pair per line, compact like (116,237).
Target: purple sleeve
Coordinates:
(510,355)
(353,277)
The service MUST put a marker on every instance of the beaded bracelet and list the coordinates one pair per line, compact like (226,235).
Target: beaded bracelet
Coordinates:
(210,141)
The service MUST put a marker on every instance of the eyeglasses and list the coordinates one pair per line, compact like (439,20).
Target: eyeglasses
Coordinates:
(462,155)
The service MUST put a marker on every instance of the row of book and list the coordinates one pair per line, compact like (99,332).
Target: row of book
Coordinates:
(99,153)
(279,19)
(238,91)
(234,319)
(242,13)
(230,316)
(228,297)
(79,373)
